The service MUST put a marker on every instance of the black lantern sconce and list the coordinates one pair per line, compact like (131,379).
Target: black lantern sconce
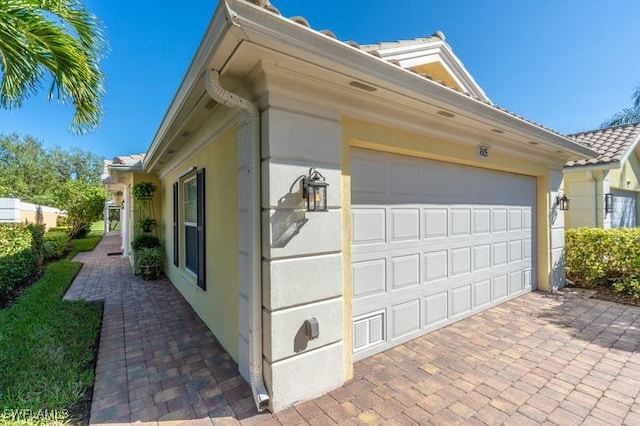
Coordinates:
(608,203)
(563,202)
(314,190)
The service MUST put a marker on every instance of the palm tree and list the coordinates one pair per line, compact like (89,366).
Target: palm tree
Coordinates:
(627,115)
(55,37)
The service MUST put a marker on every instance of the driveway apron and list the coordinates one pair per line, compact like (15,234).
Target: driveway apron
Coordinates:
(561,358)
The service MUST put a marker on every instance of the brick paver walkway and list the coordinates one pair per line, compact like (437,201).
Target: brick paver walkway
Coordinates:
(561,359)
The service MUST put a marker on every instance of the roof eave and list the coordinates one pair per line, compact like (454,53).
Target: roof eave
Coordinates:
(275,32)
(593,167)
(218,27)
(317,48)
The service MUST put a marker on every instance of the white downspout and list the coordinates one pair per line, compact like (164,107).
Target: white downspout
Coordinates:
(224,97)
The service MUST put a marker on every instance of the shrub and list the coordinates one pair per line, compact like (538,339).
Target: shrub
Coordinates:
(55,244)
(602,256)
(145,241)
(37,232)
(17,256)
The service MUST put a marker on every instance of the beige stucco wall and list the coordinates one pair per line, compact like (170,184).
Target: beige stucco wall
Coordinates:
(581,188)
(218,305)
(48,218)
(627,177)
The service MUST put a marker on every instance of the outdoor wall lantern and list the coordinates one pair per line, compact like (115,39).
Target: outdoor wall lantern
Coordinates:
(314,190)
(608,203)
(563,202)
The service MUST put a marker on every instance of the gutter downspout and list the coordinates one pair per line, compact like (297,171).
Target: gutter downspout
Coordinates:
(224,97)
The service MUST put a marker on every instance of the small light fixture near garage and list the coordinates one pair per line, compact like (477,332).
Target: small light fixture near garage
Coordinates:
(608,203)
(498,131)
(533,143)
(563,202)
(362,86)
(314,190)
(445,114)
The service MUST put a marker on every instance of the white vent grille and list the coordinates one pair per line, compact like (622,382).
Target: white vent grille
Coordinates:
(368,331)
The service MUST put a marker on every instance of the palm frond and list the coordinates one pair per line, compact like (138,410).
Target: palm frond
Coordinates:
(626,116)
(60,38)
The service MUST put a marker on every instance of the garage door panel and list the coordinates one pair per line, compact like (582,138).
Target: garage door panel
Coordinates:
(436,309)
(405,318)
(405,271)
(460,222)
(481,293)
(368,175)
(481,257)
(460,300)
(368,226)
(481,221)
(500,287)
(499,220)
(405,224)
(460,260)
(404,178)
(436,223)
(369,277)
(441,243)
(515,282)
(436,266)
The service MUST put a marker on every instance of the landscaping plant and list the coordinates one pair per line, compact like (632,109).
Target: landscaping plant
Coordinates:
(597,257)
(20,250)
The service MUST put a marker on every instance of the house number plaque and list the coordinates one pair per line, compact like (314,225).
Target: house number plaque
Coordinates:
(483,151)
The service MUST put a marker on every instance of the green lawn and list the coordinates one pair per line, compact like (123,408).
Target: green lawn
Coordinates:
(47,348)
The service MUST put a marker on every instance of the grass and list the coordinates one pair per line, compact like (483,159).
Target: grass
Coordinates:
(85,244)
(47,348)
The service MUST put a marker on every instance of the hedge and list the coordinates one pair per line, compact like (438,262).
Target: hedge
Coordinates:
(596,257)
(20,251)
(55,244)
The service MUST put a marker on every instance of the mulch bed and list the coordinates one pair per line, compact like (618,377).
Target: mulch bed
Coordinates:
(610,294)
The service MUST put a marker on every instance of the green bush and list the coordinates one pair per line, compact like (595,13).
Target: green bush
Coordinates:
(145,241)
(597,257)
(55,244)
(17,255)
(37,232)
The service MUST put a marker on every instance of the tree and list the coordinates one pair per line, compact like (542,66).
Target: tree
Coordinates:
(84,203)
(58,37)
(627,115)
(31,173)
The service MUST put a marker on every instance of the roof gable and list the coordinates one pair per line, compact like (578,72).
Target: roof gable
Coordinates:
(613,144)
(432,58)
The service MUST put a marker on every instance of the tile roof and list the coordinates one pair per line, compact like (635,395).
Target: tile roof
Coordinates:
(612,144)
(128,160)
(372,49)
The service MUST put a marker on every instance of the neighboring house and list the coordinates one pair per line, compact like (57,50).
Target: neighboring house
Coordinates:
(439,203)
(15,211)
(604,189)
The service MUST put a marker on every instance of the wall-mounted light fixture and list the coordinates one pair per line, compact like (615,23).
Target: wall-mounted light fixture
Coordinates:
(314,190)
(608,203)
(563,202)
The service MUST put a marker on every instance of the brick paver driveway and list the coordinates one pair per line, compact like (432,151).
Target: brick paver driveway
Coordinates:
(561,358)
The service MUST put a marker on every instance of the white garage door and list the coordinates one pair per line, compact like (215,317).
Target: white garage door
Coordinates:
(432,243)
(624,210)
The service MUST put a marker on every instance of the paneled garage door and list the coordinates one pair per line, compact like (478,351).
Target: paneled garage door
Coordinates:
(625,207)
(432,243)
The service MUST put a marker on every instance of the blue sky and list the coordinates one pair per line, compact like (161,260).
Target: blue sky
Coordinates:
(568,64)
